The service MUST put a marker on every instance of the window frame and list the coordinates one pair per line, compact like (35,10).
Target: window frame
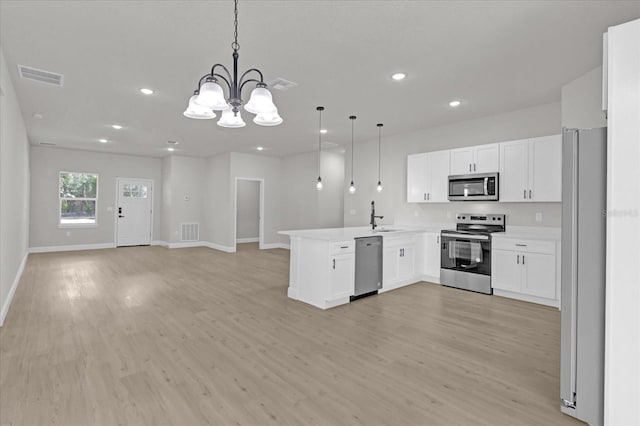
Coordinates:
(78,225)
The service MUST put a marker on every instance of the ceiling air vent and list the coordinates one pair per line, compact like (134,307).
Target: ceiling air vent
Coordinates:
(282,84)
(40,75)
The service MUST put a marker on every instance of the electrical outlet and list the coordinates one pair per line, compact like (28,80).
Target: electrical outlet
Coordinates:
(186,198)
(110,209)
(352,212)
(416,213)
(68,233)
(538,217)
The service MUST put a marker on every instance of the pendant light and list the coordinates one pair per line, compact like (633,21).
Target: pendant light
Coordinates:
(379,187)
(352,187)
(210,94)
(319,182)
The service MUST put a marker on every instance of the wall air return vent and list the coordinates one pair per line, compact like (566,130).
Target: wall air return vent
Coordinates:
(190,232)
(42,76)
(282,84)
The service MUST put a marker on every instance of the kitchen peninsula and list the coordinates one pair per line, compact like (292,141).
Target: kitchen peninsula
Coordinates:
(322,263)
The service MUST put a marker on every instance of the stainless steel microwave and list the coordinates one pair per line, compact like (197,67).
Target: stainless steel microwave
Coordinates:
(475,187)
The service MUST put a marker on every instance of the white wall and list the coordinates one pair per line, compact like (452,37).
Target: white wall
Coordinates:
(248,209)
(392,202)
(582,102)
(47,162)
(217,208)
(622,322)
(304,206)
(184,190)
(14,190)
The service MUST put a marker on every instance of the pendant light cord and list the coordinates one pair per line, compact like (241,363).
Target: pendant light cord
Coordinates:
(235,46)
(379,149)
(352,118)
(320,109)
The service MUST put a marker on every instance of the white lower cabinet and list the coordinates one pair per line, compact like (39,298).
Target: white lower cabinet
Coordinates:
(341,276)
(525,270)
(432,256)
(398,262)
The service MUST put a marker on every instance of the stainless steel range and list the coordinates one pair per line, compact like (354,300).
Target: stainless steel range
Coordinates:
(466,251)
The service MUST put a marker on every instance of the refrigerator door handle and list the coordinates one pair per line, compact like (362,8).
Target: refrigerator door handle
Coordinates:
(574,266)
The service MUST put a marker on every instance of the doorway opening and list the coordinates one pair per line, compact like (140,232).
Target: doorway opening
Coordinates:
(134,220)
(249,211)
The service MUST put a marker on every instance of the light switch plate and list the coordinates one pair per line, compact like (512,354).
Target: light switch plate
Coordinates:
(538,217)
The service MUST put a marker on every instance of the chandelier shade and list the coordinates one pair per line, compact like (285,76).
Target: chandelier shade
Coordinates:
(211,93)
(268,118)
(231,119)
(196,111)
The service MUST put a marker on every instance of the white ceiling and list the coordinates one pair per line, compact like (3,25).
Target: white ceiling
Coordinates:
(494,56)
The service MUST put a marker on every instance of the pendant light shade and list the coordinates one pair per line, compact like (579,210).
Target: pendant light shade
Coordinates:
(196,111)
(379,185)
(352,187)
(230,119)
(267,118)
(319,181)
(211,96)
(260,101)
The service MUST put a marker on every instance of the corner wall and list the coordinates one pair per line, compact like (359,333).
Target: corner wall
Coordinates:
(14,190)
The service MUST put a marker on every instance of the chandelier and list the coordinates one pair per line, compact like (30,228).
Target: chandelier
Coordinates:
(209,96)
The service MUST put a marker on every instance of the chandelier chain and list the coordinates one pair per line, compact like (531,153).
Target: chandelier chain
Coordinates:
(235,46)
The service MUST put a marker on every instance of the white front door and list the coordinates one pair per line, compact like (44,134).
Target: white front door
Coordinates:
(133,212)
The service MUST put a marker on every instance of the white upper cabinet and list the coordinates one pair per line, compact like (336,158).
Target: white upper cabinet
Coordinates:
(531,170)
(475,159)
(545,171)
(428,177)
(417,178)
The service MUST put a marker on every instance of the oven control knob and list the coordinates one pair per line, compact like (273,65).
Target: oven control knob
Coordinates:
(494,218)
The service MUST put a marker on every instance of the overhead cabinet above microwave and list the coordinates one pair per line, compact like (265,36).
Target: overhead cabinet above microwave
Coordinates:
(475,159)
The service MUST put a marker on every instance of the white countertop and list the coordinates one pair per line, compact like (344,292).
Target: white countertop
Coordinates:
(530,233)
(344,234)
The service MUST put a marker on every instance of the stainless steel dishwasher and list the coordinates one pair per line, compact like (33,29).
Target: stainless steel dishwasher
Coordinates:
(368,266)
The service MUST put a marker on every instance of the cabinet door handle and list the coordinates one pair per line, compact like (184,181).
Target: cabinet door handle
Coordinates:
(469,166)
(517,259)
(344,246)
(428,195)
(334,264)
(425,196)
(524,194)
(521,245)
(523,259)
(529,194)
(474,167)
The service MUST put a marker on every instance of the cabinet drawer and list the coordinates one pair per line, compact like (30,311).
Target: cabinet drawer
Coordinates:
(343,247)
(525,246)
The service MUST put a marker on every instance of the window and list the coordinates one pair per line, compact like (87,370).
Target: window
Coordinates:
(78,198)
(134,191)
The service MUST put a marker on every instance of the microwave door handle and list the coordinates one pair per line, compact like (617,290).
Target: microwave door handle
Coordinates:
(486,186)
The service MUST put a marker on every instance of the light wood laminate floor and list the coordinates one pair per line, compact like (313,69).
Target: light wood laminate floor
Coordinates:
(151,336)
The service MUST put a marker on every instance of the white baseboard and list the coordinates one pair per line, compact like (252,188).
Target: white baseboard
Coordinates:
(226,249)
(159,243)
(12,290)
(526,298)
(186,244)
(275,245)
(74,247)
(247,240)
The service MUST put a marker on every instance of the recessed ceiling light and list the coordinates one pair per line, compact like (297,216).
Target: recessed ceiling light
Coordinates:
(399,76)
(103,140)
(147,91)
(37,116)
(259,148)
(323,131)
(116,126)
(454,104)
(171,149)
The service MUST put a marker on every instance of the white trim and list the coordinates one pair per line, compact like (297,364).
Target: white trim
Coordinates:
(115,211)
(159,243)
(227,249)
(526,298)
(247,240)
(275,245)
(12,290)
(261,212)
(76,247)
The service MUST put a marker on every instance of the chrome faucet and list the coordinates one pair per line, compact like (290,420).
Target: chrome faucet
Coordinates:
(373,216)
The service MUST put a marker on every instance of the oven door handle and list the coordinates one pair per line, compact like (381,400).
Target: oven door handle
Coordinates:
(466,237)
